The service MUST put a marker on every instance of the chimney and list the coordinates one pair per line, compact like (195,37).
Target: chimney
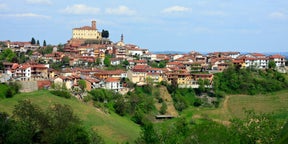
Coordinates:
(94,24)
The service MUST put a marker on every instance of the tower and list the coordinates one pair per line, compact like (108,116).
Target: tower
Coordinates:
(122,38)
(94,25)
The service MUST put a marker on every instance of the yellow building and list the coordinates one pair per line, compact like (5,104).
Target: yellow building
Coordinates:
(87,32)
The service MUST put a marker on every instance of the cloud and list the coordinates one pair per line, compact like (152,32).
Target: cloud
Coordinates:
(25,15)
(278,15)
(80,9)
(39,2)
(121,10)
(174,9)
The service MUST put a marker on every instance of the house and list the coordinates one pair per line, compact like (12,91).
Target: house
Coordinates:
(155,74)
(278,59)
(103,74)
(93,83)
(138,74)
(115,61)
(112,84)
(67,81)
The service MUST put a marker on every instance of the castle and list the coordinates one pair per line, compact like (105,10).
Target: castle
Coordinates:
(87,32)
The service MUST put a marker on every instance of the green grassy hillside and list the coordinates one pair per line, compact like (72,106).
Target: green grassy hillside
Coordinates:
(233,106)
(113,128)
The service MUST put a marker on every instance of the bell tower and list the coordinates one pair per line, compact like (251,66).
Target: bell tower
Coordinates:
(94,25)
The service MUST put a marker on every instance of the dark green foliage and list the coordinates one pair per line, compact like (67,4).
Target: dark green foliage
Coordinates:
(33,41)
(8,90)
(105,34)
(246,81)
(82,84)
(211,132)
(256,128)
(271,65)
(46,50)
(148,135)
(107,61)
(7,55)
(57,124)
(5,125)
(283,136)
(61,93)
(44,43)
(161,64)
(38,43)
(182,97)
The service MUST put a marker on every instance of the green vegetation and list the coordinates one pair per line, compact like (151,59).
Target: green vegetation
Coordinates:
(7,55)
(249,81)
(105,33)
(111,127)
(8,90)
(31,124)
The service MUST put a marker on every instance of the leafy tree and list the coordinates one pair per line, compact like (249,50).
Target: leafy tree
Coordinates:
(33,41)
(5,125)
(105,33)
(283,136)
(148,135)
(82,84)
(256,128)
(58,124)
(44,43)
(7,55)
(271,64)
(107,61)
(66,60)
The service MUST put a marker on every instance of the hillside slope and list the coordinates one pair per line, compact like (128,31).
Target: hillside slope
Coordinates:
(164,94)
(113,128)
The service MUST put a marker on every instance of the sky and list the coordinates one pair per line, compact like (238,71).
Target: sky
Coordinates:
(162,25)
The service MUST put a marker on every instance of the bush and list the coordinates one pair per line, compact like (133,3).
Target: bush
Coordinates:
(61,93)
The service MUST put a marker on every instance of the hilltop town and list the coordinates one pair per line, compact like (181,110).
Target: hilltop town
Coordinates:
(91,57)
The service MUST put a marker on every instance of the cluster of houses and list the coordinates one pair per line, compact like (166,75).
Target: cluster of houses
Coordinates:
(183,70)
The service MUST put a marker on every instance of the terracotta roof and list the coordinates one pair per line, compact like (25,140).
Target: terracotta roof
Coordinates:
(276,56)
(111,79)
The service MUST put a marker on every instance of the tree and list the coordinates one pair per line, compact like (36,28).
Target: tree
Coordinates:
(107,61)
(105,33)
(256,128)
(57,124)
(271,64)
(82,84)
(7,55)
(33,41)
(66,60)
(38,43)
(44,43)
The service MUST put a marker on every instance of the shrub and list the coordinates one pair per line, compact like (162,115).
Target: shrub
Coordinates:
(61,93)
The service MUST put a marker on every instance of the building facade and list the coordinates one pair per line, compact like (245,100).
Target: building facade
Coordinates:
(87,32)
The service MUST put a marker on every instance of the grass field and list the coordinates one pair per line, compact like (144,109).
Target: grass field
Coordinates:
(233,106)
(113,128)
